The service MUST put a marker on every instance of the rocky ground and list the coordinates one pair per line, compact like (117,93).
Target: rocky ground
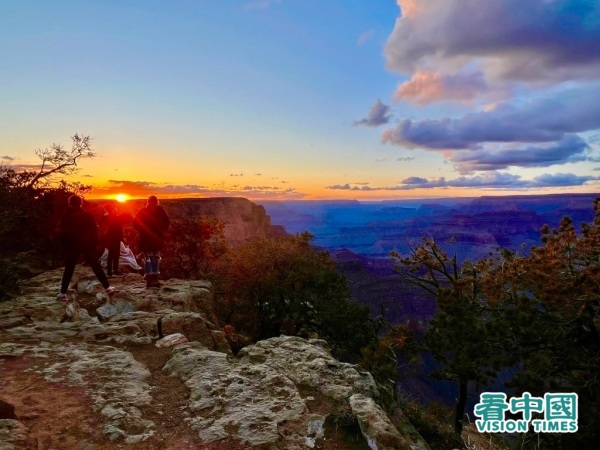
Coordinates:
(87,375)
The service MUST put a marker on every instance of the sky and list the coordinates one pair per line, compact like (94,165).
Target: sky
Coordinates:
(307,99)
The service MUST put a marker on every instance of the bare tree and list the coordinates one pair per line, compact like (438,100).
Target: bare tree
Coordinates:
(58,160)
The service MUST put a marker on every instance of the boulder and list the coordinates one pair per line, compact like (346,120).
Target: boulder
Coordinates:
(193,325)
(267,396)
(311,364)
(375,425)
(14,435)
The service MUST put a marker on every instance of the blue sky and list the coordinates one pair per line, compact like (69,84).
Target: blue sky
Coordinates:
(307,99)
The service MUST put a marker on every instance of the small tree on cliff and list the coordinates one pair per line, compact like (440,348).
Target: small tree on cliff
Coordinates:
(31,201)
(382,357)
(459,333)
(281,285)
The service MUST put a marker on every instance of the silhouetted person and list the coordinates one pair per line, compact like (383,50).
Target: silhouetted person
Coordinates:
(152,224)
(79,236)
(113,221)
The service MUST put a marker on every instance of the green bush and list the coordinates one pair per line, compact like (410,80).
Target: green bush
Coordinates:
(281,285)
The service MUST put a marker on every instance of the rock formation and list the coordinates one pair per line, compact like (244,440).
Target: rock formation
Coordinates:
(87,375)
(243,219)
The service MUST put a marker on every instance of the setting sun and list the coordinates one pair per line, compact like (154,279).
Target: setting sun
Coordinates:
(121,198)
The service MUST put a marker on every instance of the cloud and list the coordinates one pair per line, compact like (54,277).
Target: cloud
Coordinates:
(505,180)
(568,150)
(364,37)
(562,179)
(236,174)
(542,120)
(146,188)
(132,184)
(539,133)
(489,180)
(339,186)
(261,188)
(531,67)
(594,139)
(527,41)
(26,167)
(427,87)
(414,180)
(379,114)
(406,158)
(7,158)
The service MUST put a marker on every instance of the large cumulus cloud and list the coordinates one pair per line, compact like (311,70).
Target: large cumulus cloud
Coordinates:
(529,69)
(510,40)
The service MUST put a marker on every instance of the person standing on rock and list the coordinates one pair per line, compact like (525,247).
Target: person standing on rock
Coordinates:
(79,236)
(152,224)
(114,235)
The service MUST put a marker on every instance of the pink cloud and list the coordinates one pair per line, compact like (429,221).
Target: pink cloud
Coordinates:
(408,8)
(427,87)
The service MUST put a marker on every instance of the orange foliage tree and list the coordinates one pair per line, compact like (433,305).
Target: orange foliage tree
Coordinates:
(536,313)
(550,301)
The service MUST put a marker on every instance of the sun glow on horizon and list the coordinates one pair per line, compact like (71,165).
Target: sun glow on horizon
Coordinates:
(121,198)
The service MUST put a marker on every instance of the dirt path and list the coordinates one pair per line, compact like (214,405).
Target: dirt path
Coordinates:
(60,415)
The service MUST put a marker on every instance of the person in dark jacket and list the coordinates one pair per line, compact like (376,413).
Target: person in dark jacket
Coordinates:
(113,223)
(79,236)
(152,224)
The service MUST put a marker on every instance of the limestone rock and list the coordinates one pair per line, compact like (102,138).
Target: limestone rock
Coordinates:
(117,332)
(280,393)
(112,378)
(10,322)
(75,313)
(261,397)
(376,426)
(171,340)
(247,402)
(110,309)
(14,435)
(176,295)
(311,365)
(129,317)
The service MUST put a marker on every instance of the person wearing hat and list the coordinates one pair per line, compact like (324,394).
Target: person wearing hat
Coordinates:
(79,236)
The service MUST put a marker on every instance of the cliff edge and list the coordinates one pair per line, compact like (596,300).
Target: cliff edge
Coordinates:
(87,374)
